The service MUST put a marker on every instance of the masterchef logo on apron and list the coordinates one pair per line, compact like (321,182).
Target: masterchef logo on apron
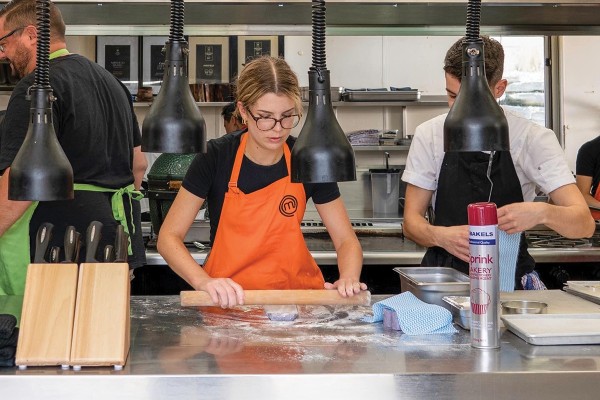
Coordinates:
(288,206)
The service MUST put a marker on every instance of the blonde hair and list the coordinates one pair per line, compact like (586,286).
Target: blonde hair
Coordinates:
(264,75)
(20,13)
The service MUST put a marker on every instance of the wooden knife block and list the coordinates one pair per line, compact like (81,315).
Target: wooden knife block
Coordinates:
(101,328)
(46,327)
(78,318)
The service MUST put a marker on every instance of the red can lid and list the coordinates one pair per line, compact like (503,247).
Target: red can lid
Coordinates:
(481,214)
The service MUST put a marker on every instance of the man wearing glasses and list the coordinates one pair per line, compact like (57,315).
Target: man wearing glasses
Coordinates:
(95,124)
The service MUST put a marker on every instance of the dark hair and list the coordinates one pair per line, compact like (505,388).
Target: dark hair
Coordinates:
(20,13)
(228,111)
(494,59)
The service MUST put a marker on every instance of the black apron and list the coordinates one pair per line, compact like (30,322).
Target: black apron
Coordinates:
(463,180)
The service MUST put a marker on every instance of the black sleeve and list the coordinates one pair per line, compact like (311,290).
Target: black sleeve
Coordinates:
(201,173)
(14,125)
(322,193)
(586,159)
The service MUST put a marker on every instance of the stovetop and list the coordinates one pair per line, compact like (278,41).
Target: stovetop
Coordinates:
(551,239)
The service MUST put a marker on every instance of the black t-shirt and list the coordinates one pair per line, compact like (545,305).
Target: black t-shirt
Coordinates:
(208,176)
(588,162)
(93,118)
(97,128)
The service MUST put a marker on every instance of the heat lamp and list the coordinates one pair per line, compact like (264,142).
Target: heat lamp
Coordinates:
(174,123)
(41,170)
(322,152)
(475,122)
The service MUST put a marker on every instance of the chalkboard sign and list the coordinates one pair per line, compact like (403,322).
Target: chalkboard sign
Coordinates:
(153,67)
(119,56)
(117,61)
(209,59)
(209,62)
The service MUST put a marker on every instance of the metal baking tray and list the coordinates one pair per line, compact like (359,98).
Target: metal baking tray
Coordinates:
(460,306)
(589,290)
(431,284)
(381,95)
(555,329)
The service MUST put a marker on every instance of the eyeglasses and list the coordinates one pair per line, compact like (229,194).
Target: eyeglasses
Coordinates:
(268,123)
(9,34)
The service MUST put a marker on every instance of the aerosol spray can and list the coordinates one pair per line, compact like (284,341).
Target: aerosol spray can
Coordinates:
(484,273)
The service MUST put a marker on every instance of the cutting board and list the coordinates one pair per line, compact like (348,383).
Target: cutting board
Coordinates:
(101,328)
(47,316)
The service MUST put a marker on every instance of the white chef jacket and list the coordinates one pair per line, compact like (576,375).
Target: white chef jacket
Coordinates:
(538,158)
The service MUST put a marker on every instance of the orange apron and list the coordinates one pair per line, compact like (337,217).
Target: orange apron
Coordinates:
(596,214)
(259,243)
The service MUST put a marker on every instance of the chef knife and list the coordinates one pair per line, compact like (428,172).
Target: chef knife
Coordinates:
(42,240)
(92,240)
(121,244)
(69,244)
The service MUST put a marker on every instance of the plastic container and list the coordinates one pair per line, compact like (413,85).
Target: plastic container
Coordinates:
(385,192)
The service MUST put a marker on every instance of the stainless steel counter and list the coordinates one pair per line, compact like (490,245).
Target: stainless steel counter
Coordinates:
(181,353)
(392,250)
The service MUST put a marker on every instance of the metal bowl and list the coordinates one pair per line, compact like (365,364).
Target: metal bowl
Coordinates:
(523,307)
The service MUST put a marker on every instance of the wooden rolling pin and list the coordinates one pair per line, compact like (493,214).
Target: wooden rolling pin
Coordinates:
(281,297)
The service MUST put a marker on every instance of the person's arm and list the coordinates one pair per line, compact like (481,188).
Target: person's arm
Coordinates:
(454,239)
(584,184)
(11,210)
(139,166)
(569,214)
(347,247)
(170,245)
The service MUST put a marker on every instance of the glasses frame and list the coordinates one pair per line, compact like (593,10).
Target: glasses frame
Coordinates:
(275,120)
(9,34)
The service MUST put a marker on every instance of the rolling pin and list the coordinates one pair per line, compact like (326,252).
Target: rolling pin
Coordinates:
(281,297)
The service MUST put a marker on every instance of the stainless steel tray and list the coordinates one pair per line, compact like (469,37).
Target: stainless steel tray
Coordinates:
(589,290)
(382,95)
(431,284)
(460,306)
(555,329)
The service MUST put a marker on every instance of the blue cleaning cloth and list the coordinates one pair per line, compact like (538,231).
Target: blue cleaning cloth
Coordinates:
(415,317)
(508,250)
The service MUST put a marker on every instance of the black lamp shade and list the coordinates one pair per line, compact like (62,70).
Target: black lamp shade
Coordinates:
(174,123)
(40,170)
(475,122)
(322,152)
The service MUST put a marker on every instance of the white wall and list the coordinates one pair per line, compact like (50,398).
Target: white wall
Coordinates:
(581,92)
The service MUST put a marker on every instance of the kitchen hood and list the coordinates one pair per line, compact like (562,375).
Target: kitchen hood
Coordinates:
(344,17)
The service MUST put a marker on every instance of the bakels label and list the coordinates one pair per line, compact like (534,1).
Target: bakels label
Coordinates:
(483,251)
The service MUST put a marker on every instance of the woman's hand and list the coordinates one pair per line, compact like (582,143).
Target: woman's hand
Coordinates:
(346,287)
(222,291)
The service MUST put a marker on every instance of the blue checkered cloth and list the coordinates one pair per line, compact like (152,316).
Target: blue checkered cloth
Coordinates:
(508,250)
(415,317)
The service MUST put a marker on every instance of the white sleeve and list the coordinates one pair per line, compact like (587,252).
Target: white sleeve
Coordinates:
(544,160)
(421,168)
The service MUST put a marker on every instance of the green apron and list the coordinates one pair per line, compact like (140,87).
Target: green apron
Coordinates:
(14,254)
(14,244)
(118,209)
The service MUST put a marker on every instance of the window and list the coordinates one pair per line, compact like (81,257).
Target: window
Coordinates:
(524,70)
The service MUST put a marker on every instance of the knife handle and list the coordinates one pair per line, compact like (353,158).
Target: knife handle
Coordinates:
(77,247)
(42,240)
(54,254)
(121,244)
(109,253)
(92,240)
(69,244)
